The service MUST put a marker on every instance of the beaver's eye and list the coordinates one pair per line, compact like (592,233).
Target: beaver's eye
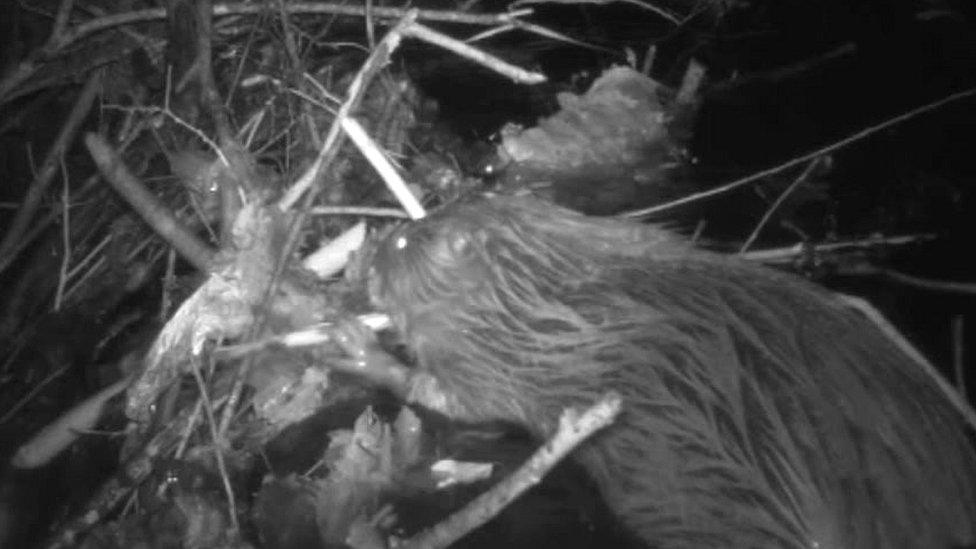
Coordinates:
(400,242)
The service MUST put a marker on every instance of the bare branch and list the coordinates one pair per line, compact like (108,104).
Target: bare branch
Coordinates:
(151,210)
(516,74)
(574,428)
(835,146)
(49,168)
(333,140)
(800,179)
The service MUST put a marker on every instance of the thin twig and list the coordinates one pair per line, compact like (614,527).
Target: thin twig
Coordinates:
(76,285)
(61,18)
(837,145)
(33,393)
(146,204)
(649,56)
(544,32)
(643,5)
(91,255)
(792,71)
(665,14)
(19,73)
(165,111)
(242,62)
(250,128)
(573,429)
(218,445)
(382,14)
(967,288)
(191,426)
(489,33)
(358,210)
(322,91)
(516,74)
(691,83)
(39,186)
(777,203)
(286,36)
(333,140)
(169,285)
(65,236)
(368,21)
(41,225)
(387,172)
(309,336)
(782,255)
(944,286)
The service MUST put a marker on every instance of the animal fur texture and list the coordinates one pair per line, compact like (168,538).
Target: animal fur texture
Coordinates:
(758,410)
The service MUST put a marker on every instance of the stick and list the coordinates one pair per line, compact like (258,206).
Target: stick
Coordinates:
(41,183)
(149,208)
(802,178)
(837,145)
(516,74)
(218,446)
(359,211)
(333,140)
(787,254)
(61,38)
(573,429)
(387,172)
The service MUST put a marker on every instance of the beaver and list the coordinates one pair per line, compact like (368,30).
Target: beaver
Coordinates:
(759,410)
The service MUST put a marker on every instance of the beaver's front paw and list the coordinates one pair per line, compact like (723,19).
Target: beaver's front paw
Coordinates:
(355,339)
(367,359)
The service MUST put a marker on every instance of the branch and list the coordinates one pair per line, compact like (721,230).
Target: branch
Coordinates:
(26,68)
(516,74)
(574,428)
(333,140)
(933,285)
(41,224)
(384,168)
(661,12)
(218,446)
(802,178)
(65,37)
(837,145)
(145,203)
(358,211)
(42,182)
(788,254)
(380,56)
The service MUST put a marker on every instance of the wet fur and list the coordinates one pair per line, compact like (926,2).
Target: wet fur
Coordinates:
(758,410)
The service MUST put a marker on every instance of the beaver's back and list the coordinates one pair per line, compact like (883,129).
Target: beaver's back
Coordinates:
(762,412)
